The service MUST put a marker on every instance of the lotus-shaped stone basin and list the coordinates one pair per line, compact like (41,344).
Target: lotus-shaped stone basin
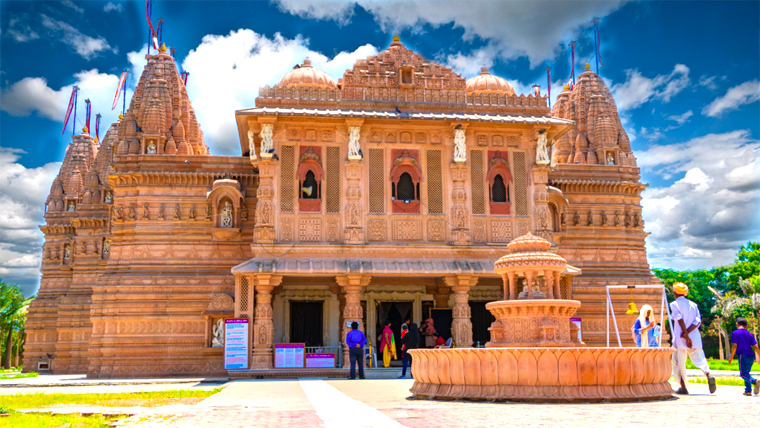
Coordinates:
(542,374)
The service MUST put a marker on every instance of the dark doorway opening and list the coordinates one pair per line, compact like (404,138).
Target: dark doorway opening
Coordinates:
(481,320)
(396,312)
(306,323)
(442,319)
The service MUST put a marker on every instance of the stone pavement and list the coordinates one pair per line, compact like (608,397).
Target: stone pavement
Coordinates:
(388,403)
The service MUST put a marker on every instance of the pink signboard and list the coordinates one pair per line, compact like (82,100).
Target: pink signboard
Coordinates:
(320,360)
(235,344)
(289,355)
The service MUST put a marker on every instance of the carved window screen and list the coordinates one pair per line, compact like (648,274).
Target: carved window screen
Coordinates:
(376,181)
(243,300)
(332,176)
(434,182)
(287,178)
(477,182)
(521,184)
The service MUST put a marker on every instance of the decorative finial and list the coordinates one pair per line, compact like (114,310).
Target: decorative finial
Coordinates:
(307,62)
(587,66)
(121,116)
(484,69)
(566,87)
(85,130)
(396,38)
(163,47)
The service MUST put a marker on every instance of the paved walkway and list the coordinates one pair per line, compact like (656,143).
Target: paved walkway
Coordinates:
(388,403)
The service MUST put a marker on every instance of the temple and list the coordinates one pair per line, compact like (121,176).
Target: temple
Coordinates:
(388,194)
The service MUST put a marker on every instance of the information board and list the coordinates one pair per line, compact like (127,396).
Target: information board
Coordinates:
(320,360)
(289,355)
(235,344)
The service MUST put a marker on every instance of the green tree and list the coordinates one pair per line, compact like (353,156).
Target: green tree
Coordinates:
(746,265)
(13,307)
(750,299)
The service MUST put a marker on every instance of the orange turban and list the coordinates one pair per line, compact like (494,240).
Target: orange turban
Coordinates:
(680,288)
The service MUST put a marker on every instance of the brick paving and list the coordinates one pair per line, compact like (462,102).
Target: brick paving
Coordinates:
(283,404)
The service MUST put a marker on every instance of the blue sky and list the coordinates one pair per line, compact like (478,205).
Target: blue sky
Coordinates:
(684,76)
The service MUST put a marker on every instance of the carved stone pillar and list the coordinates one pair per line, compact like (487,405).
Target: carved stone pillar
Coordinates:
(461,325)
(557,278)
(529,283)
(441,296)
(510,286)
(542,215)
(263,326)
(460,222)
(263,231)
(354,220)
(351,286)
(549,280)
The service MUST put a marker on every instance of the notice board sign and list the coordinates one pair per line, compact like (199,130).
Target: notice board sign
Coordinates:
(289,355)
(235,344)
(320,361)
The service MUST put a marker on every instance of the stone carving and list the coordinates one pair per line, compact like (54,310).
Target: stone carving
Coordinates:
(354,217)
(267,145)
(522,228)
(376,230)
(562,218)
(542,153)
(577,218)
(479,232)
(619,219)
(264,213)
(67,251)
(176,212)
(460,148)
(218,331)
(407,230)
(436,230)
(161,212)
(72,206)
(310,230)
(286,229)
(226,216)
(251,146)
(109,197)
(501,231)
(132,213)
(244,212)
(207,215)
(610,159)
(353,143)
(151,147)
(460,217)
(333,230)
(590,218)
(146,212)
(191,214)
(118,213)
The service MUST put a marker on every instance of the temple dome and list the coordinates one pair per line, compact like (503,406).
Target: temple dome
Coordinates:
(307,76)
(486,83)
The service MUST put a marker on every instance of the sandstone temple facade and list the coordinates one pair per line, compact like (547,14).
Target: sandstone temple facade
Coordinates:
(391,192)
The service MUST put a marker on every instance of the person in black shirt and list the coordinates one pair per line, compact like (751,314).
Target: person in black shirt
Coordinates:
(411,341)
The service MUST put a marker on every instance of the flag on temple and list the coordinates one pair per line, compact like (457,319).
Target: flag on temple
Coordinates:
(154,37)
(87,111)
(97,128)
(122,82)
(70,108)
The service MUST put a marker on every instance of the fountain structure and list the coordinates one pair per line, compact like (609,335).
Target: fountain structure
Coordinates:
(534,353)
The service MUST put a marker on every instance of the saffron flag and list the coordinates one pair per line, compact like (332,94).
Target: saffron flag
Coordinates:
(72,102)
(150,24)
(87,110)
(97,128)
(122,82)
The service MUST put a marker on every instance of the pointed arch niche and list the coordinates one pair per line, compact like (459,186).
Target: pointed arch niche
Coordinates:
(499,182)
(225,193)
(405,181)
(310,175)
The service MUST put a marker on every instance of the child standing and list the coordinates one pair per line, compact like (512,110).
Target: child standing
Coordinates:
(742,344)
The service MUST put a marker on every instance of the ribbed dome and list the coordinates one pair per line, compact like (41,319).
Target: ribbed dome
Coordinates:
(307,76)
(486,83)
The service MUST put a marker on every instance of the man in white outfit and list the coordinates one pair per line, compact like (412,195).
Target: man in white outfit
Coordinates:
(686,338)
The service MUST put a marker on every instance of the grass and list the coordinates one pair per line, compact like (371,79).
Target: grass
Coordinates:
(13,370)
(723,365)
(730,381)
(45,420)
(18,375)
(119,399)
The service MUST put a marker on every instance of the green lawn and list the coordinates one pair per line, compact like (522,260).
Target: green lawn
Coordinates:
(13,370)
(723,365)
(45,420)
(730,381)
(123,399)
(18,375)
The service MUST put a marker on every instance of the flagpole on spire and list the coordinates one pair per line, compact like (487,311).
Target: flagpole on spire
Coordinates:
(70,108)
(152,38)
(160,31)
(572,69)
(597,44)
(87,110)
(97,128)
(74,122)
(549,85)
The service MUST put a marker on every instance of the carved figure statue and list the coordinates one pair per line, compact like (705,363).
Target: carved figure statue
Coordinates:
(353,143)
(562,219)
(226,218)
(218,330)
(542,153)
(590,218)
(118,213)
(265,213)
(176,212)
(267,145)
(109,197)
(208,212)
(161,212)
(132,212)
(191,215)
(610,159)
(146,212)
(251,147)
(353,215)
(577,218)
(618,218)
(66,252)
(106,247)
(72,206)
(604,218)
(553,154)
(244,212)
(461,217)
(152,147)
(460,150)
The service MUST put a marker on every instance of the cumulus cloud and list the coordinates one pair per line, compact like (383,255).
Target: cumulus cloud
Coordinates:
(70,4)
(701,219)
(227,71)
(22,195)
(20,30)
(110,7)
(514,29)
(639,89)
(746,93)
(84,45)
(708,82)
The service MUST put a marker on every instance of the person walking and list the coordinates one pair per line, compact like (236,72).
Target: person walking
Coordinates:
(742,345)
(388,344)
(356,340)
(411,341)
(687,339)
(645,327)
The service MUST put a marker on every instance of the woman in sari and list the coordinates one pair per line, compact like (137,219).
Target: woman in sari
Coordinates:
(388,345)
(644,329)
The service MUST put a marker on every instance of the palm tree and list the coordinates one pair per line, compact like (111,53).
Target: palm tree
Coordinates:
(751,299)
(13,307)
(723,308)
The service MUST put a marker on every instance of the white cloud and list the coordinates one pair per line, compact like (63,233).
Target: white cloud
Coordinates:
(70,4)
(681,118)
(110,6)
(227,71)
(701,219)
(708,82)
(514,29)
(32,94)
(20,31)
(22,195)
(652,134)
(86,46)
(746,93)
(638,89)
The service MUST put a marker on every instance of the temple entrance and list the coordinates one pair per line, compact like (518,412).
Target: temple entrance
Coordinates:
(306,323)
(396,312)
(481,319)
